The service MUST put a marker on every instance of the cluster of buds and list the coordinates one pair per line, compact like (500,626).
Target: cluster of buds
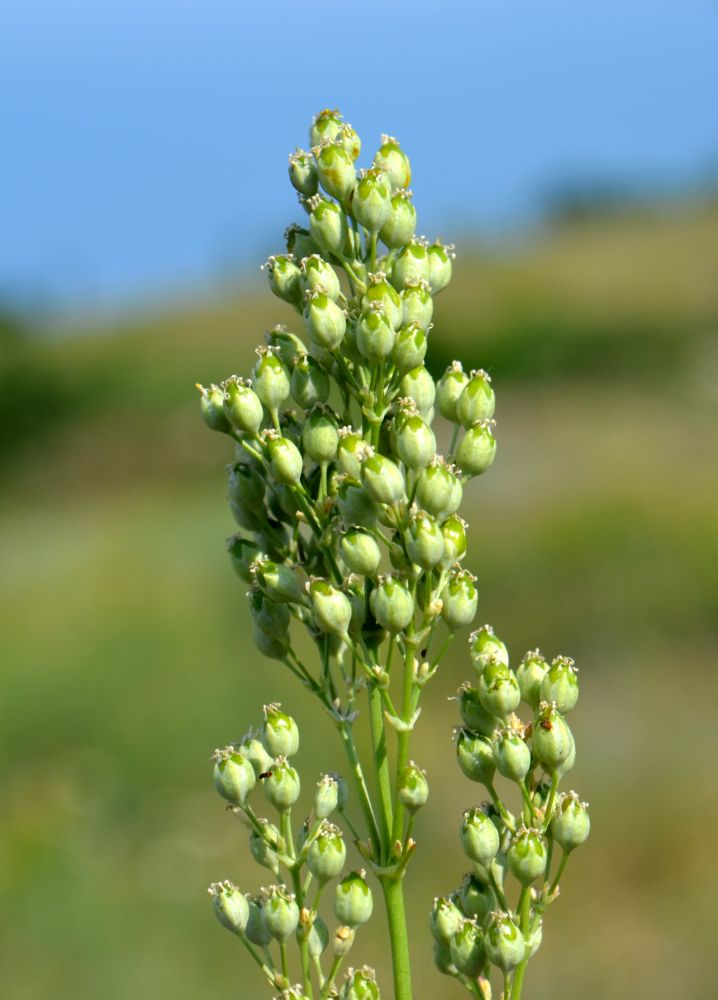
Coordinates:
(307,859)
(479,926)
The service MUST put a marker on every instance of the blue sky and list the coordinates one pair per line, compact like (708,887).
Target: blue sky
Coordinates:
(144,142)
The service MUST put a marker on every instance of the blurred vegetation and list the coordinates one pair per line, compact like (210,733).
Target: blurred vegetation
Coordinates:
(124,647)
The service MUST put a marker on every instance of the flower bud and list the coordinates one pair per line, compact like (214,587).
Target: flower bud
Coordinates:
(392,604)
(328,226)
(355,504)
(552,740)
(527,855)
(445,919)
(467,949)
(268,615)
(433,487)
(272,646)
(361,552)
(380,293)
(400,224)
(303,173)
(440,266)
(280,733)
(326,797)
(382,478)
(331,608)
(298,241)
(280,913)
(242,406)
(242,553)
(477,401)
(285,459)
(504,942)
(530,674)
(335,169)
(321,435)
(253,750)
(270,379)
(317,938)
(498,689)
(262,846)
(327,853)
(212,408)
(442,960)
(342,941)
(282,785)
(392,159)
(256,929)
(230,906)
(570,824)
(449,390)
(560,684)
(324,320)
(477,900)
(411,265)
(453,532)
(353,902)
(374,334)
(284,278)
(349,139)
(473,713)
(417,303)
(325,125)
(479,836)
(413,788)
(424,540)
(418,385)
(513,757)
(278,582)
(475,755)
(371,201)
(477,449)
(485,647)
(360,984)
(309,383)
(459,600)
(350,452)
(409,348)
(319,275)
(233,775)
(415,442)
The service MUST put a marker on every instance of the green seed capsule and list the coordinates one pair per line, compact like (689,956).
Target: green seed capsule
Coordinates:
(349,138)
(380,292)
(449,390)
(270,379)
(504,942)
(309,383)
(280,913)
(400,225)
(382,478)
(473,713)
(274,647)
(353,902)
(285,459)
(278,582)
(560,684)
(453,532)
(253,750)
(321,435)
(319,275)
(212,408)
(552,740)
(433,487)
(242,406)
(282,785)
(328,226)
(467,949)
(374,334)
(392,604)
(230,906)
(242,553)
(326,124)
(413,788)
(335,169)
(409,348)
(477,449)
(479,836)
(442,960)
(570,825)
(513,757)
(298,241)
(475,755)
(317,938)
(411,265)
(263,853)
(418,385)
(325,321)
(284,344)
(477,401)
(361,552)
(415,442)
(417,303)
(392,159)
(303,173)
(350,452)
(331,608)
(570,761)
(486,647)
(371,201)
(498,689)
(424,540)
(233,775)
(256,929)
(459,600)
(326,797)
(280,733)
(445,919)
(327,853)
(268,615)
(440,266)
(530,675)
(284,278)
(477,900)
(527,855)
(355,504)
(360,984)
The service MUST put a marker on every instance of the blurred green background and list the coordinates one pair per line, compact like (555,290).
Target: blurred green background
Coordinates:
(124,631)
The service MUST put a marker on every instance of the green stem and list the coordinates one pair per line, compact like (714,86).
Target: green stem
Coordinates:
(393,890)
(402,743)
(265,969)
(329,981)
(525,923)
(381,769)
(347,736)
(559,873)
(551,800)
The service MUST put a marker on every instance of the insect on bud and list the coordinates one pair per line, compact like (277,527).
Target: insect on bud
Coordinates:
(280,733)
(504,942)
(475,755)
(284,278)
(325,321)
(309,383)
(560,684)
(467,949)
(498,689)
(212,408)
(477,401)
(527,855)
(413,788)
(233,775)
(570,825)
(394,162)
(371,201)
(303,173)
(331,609)
(552,740)
(459,600)
(400,225)
(280,913)
(335,169)
(327,853)
(230,906)
(353,902)
(392,604)
(479,836)
(477,448)
(530,674)
(282,785)
(361,552)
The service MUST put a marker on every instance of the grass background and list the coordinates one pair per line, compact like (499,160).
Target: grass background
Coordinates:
(124,632)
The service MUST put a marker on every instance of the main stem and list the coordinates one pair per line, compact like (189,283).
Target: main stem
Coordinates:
(393,890)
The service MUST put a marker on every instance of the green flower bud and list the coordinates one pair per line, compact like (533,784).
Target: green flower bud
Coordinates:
(350,452)
(371,200)
(380,292)
(325,321)
(570,824)
(212,408)
(361,552)
(400,225)
(317,938)
(353,902)
(442,960)
(246,489)
(513,757)
(440,266)
(256,929)
(445,919)
(552,740)
(374,334)
(504,942)
(479,836)
(477,900)
(280,733)
(475,755)
(560,684)
(262,850)
(233,775)
(413,788)
(486,647)
(242,553)
(449,390)
(342,941)
(328,225)
(321,435)
(309,383)
(415,442)
(298,241)
(327,853)
(253,750)
(284,278)
(319,275)
(270,379)
(326,797)
(303,173)
(280,913)
(331,609)
(382,478)
(326,125)
(477,401)
(282,785)
(453,532)
(473,713)
(335,169)
(355,504)
(527,855)
(498,689)
(530,674)
(467,949)
(285,459)
(392,604)
(242,406)
(349,139)
(424,540)
(392,159)
(360,984)
(409,348)
(272,646)
(477,448)
(459,600)
(417,303)
(411,265)
(418,385)
(268,615)
(278,582)
(434,486)
(230,906)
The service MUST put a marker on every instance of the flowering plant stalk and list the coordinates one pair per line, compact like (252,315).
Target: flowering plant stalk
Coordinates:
(350,528)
